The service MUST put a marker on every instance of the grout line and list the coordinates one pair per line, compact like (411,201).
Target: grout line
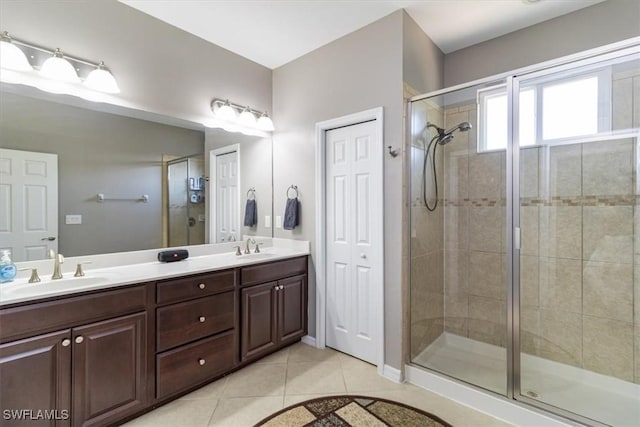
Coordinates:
(213,412)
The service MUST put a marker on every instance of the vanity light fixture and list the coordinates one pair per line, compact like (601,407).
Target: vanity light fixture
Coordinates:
(52,70)
(59,69)
(11,57)
(239,118)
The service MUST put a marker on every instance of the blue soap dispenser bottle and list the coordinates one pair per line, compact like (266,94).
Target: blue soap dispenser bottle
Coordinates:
(7,267)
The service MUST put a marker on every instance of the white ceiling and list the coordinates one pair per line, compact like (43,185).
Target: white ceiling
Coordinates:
(274,32)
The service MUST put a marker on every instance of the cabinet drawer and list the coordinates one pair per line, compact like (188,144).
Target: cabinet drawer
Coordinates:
(273,271)
(31,319)
(195,286)
(188,321)
(192,364)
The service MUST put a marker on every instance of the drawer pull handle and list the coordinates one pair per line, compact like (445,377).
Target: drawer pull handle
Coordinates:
(202,319)
(79,340)
(201,362)
(202,286)
(66,342)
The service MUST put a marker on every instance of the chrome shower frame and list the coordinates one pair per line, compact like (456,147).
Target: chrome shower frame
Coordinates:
(513,78)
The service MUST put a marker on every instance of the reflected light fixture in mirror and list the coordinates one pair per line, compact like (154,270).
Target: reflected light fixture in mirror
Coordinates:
(53,71)
(237,118)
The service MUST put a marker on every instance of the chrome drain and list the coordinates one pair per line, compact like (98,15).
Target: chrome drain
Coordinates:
(532,393)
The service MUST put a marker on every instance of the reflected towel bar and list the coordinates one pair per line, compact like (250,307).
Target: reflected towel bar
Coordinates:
(102,198)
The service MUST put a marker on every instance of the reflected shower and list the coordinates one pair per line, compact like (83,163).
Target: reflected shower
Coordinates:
(442,137)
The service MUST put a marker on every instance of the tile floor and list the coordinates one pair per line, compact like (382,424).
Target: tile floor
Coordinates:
(294,374)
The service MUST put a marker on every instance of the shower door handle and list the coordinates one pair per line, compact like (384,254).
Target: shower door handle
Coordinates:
(516,238)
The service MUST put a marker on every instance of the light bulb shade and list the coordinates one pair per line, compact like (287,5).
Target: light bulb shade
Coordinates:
(12,58)
(247,118)
(227,113)
(102,81)
(58,68)
(265,123)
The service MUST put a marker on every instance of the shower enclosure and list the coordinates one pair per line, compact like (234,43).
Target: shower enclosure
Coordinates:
(525,278)
(185,201)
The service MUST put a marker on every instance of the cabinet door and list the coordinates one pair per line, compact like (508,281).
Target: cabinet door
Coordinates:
(35,375)
(292,308)
(109,369)
(258,319)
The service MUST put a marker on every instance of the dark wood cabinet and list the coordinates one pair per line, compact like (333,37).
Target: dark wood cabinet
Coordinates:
(101,357)
(35,374)
(259,319)
(109,366)
(292,309)
(273,314)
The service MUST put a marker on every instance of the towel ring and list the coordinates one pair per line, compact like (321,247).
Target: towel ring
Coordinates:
(251,192)
(294,188)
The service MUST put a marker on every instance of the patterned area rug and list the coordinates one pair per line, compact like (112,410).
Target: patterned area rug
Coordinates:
(342,411)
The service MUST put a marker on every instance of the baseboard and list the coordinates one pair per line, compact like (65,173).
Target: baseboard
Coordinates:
(392,374)
(309,340)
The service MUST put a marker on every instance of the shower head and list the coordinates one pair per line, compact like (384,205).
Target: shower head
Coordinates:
(445,136)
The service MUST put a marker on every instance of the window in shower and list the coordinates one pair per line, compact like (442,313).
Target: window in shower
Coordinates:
(549,111)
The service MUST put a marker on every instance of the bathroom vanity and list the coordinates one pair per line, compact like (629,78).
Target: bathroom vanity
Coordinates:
(100,356)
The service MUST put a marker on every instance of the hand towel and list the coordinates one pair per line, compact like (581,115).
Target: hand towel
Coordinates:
(291,214)
(250,213)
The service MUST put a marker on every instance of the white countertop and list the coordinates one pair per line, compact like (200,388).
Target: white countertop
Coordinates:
(125,268)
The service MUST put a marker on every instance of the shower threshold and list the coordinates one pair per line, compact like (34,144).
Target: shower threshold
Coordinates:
(599,397)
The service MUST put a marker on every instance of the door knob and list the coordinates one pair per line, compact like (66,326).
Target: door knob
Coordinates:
(79,340)
(50,238)
(363,256)
(66,342)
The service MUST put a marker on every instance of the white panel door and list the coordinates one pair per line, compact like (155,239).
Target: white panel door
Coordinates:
(28,203)
(227,213)
(353,268)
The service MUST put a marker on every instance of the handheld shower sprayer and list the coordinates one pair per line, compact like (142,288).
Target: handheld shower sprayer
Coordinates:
(442,137)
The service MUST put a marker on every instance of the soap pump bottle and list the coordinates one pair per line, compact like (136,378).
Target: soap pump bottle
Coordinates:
(7,267)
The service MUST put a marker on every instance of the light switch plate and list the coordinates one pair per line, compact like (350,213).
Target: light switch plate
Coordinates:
(278,221)
(267,221)
(73,219)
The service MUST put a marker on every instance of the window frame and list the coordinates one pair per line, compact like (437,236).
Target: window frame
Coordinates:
(604,109)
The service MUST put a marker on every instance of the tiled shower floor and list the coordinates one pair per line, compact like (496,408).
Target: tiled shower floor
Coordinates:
(592,395)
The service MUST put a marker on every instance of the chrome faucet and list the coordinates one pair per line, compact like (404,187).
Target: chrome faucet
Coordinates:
(57,260)
(246,249)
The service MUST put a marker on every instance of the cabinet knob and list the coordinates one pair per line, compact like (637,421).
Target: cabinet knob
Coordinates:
(201,362)
(202,286)
(202,319)
(281,287)
(277,288)
(66,342)
(79,340)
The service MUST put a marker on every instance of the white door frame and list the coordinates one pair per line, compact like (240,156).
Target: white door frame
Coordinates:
(321,238)
(213,189)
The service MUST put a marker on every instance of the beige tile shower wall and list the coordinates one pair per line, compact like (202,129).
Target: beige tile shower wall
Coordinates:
(427,234)
(474,237)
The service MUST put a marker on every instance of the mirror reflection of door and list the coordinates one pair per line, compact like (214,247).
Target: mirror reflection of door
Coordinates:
(225,209)
(28,203)
(185,200)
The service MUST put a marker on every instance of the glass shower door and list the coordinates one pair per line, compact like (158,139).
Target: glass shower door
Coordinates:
(576,135)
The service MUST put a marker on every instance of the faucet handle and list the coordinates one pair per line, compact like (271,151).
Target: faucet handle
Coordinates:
(79,271)
(238,252)
(34,274)
(257,251)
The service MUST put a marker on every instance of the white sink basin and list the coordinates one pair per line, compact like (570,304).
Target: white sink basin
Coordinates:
(13,290)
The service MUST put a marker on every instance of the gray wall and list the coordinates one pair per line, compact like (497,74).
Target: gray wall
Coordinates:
(362,70)
(587,28)
(99,153)
(159,68)
(422,60)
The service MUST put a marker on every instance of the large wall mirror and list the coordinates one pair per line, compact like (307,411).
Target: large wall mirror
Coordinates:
(126,183)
